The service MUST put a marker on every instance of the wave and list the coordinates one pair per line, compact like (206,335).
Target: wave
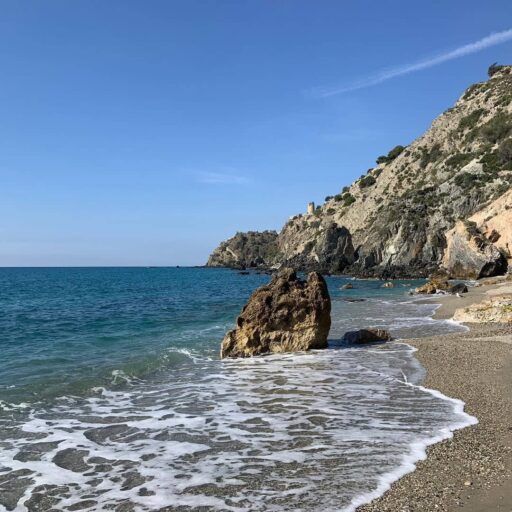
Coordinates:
(255,434)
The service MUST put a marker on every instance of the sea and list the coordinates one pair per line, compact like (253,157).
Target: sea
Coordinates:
(113,396)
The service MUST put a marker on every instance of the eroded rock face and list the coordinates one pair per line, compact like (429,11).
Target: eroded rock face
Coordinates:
(367,336)
(470,255)
(310,244)
(251,249)
(495,222)
(287,315)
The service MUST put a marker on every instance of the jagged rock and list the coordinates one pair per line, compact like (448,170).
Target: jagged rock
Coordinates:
(251,249)
(348,286)
(495,222)
(496,309)
(367,336)
(458,288)
(310,244)
(389,284)
(287,315)
(470,255)
(433,286)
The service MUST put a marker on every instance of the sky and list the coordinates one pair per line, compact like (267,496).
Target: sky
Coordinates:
(144,133)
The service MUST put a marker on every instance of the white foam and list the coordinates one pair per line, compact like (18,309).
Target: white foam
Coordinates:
(260,434)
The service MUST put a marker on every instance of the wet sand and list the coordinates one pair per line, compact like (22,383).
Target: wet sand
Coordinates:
(473,471)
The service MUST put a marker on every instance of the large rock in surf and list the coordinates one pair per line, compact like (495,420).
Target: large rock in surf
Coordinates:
(367,336)
(470,254)
(433,286)
(287,315)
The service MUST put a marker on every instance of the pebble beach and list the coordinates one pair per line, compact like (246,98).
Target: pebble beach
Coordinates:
(473,470)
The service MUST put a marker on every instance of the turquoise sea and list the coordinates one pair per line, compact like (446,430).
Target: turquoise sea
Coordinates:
(112,396)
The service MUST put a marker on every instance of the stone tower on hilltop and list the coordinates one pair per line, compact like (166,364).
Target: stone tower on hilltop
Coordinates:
(311,208)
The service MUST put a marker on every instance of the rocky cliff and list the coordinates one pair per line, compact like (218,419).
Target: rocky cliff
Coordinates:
(394,220)
(251,249)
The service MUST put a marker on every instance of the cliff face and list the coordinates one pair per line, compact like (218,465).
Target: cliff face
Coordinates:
(251,249)
(393,220)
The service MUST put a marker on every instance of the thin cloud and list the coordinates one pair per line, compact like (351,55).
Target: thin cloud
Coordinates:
(217,178)
(388,74)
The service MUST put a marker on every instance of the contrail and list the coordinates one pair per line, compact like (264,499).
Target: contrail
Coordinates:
(388,74)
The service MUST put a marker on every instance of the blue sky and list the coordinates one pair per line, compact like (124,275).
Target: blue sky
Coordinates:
(143,133)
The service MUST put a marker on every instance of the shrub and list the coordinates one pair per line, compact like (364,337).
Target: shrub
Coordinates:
(345,189)
(469,91)
(348,199)
(338,197)
(504,153)
(470,120)
(394,153)
(490,161)
(429,157)
(328,198)
(466,180)
(367,181)
(494,68)
(459,160)
(499,127)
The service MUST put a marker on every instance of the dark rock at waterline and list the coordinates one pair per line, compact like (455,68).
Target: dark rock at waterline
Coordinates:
(433,286)
(458,288)
(287,315)
(348,286)
(354,300)
(367,336)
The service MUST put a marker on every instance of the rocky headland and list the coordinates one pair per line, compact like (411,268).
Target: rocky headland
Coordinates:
(443,201)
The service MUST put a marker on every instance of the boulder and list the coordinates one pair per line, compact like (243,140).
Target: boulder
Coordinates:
(459,288)
(348,286)
(287,315)
(470,255)
(389,284)
(433,286)
(367,336)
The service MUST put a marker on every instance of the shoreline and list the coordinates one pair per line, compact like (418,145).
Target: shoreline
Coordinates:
(472,471)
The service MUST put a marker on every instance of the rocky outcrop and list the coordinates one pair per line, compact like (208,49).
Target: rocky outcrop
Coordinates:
(496,309)
(287,315)
(433,286)
(367,336)
(470,255)
(310,243)
(251,249)
(495,223)
(393,220)
(458,288)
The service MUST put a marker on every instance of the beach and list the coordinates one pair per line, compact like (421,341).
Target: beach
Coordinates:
(473,470)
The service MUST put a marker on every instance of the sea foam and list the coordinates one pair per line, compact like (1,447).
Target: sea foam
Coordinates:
(324,430)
